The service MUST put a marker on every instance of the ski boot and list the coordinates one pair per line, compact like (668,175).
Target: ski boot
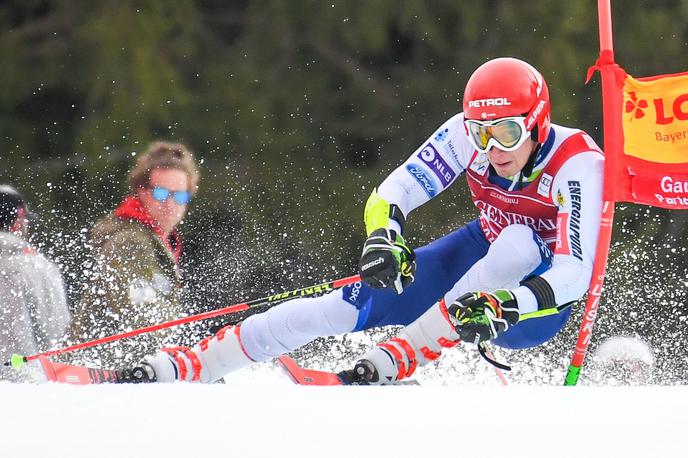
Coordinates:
(143,373)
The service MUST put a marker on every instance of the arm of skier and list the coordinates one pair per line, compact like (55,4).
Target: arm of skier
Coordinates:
(386,261)
(431,169)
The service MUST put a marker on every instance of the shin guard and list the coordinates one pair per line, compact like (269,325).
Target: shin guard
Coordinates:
(208,361)
(417,344)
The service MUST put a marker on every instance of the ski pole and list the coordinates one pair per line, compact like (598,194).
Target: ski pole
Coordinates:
(18,360)
(595,292)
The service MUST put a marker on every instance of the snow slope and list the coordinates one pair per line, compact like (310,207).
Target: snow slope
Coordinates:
(259,413)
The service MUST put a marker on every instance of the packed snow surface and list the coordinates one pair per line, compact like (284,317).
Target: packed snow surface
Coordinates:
(260,413)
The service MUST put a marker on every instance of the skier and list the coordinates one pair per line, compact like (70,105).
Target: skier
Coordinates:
(506,276)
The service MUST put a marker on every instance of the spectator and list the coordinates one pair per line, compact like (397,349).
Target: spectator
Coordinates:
(135,280)
(34,312)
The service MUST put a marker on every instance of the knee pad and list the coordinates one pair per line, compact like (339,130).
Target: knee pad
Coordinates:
(210,360)
(515,254)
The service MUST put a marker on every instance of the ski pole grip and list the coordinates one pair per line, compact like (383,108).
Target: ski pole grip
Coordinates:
(16,361)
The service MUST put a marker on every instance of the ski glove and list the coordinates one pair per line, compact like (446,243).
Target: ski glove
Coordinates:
(482,316)
(387,262)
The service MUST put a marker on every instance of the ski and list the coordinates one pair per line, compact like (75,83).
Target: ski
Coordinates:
(77,375)
(312,377)
(302,376)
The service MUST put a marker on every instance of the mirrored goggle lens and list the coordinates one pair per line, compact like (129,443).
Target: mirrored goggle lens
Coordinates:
(507,133)
(180,197)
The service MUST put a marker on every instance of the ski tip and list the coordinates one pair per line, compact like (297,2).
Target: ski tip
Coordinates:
(16,361)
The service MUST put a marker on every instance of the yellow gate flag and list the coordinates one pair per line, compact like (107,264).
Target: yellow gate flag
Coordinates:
(653,168)
(655,118)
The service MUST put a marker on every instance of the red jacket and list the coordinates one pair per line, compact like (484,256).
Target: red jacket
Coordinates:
(132,208)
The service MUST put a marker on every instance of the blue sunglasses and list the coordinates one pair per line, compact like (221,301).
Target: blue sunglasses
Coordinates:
(162,194)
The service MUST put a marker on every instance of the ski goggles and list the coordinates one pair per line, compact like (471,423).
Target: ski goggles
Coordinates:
(506,133)
(162,194)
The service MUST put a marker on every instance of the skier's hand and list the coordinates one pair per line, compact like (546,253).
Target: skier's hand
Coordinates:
(482,316)
(387,262)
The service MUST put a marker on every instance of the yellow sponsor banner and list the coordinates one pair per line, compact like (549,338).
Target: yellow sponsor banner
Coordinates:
(655,118)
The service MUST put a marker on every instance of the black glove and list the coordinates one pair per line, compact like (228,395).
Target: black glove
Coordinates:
(143,373)
(386,261)
(482,316)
